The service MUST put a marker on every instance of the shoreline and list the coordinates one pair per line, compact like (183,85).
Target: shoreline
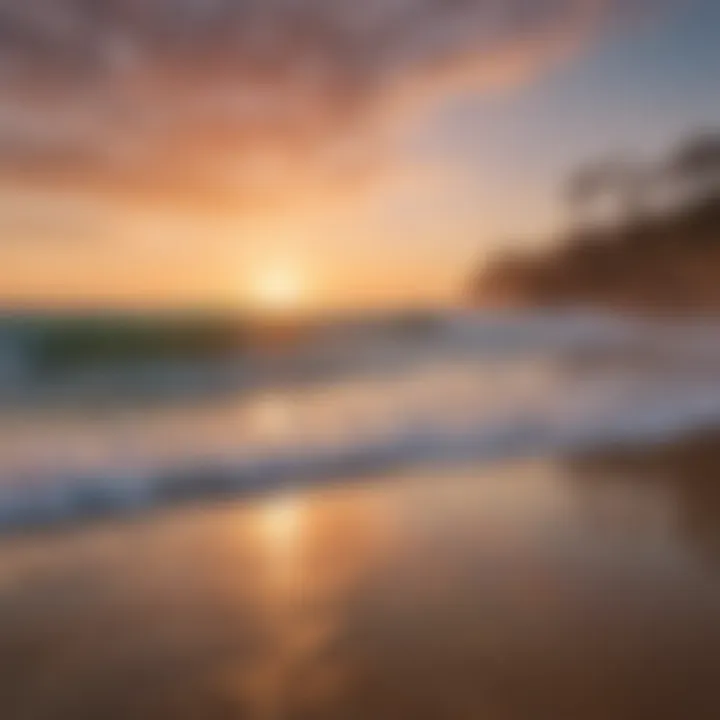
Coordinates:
(691,452)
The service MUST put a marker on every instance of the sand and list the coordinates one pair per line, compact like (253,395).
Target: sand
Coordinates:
(582,588)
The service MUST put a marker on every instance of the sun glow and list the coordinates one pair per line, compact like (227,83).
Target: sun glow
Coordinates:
(277,288)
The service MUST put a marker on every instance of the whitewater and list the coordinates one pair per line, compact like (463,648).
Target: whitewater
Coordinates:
(356,400)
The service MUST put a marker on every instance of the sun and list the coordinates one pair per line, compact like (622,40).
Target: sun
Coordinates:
(278,287)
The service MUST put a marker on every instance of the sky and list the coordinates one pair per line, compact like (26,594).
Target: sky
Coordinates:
(319,154)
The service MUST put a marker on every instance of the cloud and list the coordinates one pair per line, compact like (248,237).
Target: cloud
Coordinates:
(219,102)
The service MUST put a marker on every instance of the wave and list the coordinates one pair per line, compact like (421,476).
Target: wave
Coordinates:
(492,389)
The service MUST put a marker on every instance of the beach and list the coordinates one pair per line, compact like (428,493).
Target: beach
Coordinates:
(585,586)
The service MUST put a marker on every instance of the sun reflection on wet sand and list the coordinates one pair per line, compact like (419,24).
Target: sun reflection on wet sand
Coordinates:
(279,528)
(314,552)
(281,523)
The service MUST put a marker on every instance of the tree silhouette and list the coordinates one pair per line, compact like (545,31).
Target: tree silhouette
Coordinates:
(624,184)
(696,165)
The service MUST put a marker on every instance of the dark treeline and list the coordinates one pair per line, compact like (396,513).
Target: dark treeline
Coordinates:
(641,237)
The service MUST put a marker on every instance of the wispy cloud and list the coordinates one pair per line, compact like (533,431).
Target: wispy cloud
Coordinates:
(223,101)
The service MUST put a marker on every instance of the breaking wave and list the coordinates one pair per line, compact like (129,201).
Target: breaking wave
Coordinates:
(366,399)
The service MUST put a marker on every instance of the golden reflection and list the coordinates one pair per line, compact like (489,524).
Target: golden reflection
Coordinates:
(281,523)
(315,551)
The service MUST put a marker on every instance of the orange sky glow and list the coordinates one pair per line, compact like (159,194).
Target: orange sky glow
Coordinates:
(251,154)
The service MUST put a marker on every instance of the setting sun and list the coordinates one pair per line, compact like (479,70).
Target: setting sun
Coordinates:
(277,288)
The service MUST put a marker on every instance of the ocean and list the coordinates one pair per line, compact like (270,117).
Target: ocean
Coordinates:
(353,398)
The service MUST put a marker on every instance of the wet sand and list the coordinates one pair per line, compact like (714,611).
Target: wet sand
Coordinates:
(584,588)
